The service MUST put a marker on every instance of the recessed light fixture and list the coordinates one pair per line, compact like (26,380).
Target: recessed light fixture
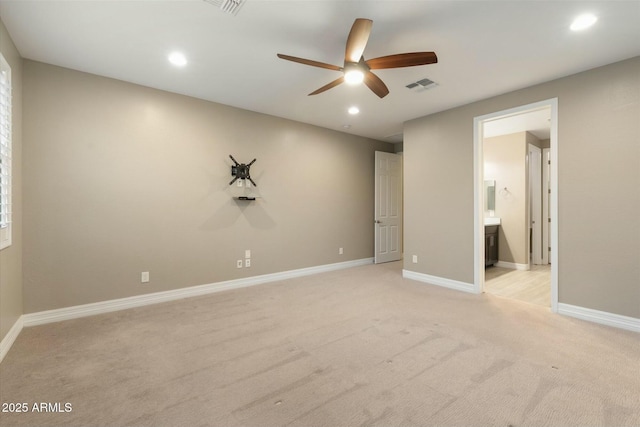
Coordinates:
(177,59)
(353,110)
(583,21)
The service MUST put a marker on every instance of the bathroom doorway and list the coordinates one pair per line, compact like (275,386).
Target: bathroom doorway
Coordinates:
(516,274)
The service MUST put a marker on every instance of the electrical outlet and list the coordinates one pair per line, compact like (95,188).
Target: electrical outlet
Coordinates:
(239,183)
(144,277)
(247,263)
(247,253)
(239,263)
(415,259)
(247,183)
(340,251)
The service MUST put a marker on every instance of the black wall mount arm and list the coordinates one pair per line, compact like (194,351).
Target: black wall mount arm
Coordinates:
(241,171)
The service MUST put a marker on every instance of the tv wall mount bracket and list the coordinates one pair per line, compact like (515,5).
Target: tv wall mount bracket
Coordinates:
(241,171)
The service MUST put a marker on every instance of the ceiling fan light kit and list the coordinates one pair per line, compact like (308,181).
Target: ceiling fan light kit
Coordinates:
(356,69)
(353,75)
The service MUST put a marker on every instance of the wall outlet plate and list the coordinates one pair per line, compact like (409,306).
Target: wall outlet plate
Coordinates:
(247,253)
(144,277)
(247,263)
(415,259)
(239,263)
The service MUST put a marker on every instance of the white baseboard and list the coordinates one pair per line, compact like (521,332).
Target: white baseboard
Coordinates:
(50,316)
(513,265)
(439,281)
(602,317)
(10,338)
(92,309)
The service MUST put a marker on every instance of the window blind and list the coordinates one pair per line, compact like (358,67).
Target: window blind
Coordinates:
(5,153)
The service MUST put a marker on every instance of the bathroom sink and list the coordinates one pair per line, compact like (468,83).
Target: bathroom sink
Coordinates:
(492,221)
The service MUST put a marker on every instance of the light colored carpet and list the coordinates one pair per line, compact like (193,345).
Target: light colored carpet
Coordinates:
(357,347)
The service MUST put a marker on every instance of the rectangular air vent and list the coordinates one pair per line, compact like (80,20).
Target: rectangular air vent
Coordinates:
(228,6)
(421,85)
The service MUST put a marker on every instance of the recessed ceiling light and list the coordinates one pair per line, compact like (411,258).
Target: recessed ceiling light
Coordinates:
(178,59)
(583,21)
(354,110)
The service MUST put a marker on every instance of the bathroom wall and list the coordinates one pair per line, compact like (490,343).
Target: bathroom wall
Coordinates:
(505,162)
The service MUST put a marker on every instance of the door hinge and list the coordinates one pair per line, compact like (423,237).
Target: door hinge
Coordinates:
(549,248)
(549,219)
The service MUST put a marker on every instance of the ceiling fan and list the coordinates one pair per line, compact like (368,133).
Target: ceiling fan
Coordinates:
(356,69)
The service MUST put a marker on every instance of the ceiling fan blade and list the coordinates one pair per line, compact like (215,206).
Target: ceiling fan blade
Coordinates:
(310,62)
(402,60)
(357,40)
(374,83)
(328,86)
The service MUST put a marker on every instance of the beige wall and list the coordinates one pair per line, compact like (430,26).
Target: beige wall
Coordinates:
(505,162)
(11,257)
(121,179)
(598,187)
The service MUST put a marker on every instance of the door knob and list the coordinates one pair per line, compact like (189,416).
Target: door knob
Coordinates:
(378,222)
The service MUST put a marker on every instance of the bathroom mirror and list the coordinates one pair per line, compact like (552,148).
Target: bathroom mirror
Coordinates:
(489,195)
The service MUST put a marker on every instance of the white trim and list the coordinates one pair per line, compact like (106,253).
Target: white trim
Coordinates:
(513,265)
(10,338)
(478,198)
(553,204)
(478,206)
(602,317)
(546,212)
(534,203)
(92,309)
(439,281)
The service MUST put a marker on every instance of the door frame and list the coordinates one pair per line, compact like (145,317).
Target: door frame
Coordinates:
(478,191)
(546,191)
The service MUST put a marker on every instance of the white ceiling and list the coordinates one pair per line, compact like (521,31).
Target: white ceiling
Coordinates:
(485,48)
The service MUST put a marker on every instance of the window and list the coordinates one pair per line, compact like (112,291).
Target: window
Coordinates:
(5,153)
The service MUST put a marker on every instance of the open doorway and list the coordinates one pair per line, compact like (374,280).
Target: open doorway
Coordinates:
(518,223)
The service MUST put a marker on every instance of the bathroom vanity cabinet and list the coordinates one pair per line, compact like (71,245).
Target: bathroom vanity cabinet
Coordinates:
(490,244)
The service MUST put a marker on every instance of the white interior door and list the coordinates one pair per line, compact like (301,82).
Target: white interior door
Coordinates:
(388,207)
(535,201)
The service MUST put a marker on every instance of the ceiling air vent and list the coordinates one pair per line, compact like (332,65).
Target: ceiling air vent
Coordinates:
(228,6)
(422,85)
